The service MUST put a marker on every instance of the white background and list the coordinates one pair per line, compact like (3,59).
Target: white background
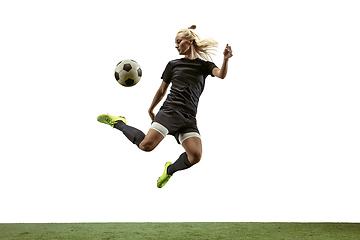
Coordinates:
(280,133)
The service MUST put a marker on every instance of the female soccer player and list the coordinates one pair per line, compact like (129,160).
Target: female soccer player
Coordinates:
(177,116)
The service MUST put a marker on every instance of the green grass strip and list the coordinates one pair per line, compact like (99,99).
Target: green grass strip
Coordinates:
(188,231)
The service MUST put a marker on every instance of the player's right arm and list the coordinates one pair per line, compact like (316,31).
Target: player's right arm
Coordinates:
(158,96)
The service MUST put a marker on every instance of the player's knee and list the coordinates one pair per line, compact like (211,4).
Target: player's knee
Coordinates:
(194,157)
(147,146)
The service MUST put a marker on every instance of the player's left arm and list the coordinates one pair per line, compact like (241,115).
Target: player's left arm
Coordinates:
(221,73)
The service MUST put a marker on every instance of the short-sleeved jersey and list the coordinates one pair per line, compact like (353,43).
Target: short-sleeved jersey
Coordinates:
(188,82)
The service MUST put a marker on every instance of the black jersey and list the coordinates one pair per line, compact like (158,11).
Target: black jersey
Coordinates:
(188,82)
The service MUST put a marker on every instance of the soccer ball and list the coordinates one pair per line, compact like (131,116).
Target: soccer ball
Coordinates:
(128,73)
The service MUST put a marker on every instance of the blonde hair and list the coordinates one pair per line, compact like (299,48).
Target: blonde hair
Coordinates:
(204,48)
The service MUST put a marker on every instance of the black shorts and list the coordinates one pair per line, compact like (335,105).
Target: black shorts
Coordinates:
(177,123)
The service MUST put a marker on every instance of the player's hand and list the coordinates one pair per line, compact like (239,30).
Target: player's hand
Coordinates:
(152,115)
(228,52)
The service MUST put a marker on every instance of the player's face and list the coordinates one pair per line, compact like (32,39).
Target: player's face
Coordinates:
(182,44)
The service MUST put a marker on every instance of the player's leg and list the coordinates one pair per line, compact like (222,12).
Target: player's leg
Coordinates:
(144,142)
(133,134)
(151,140)
(193,147)
(156,134)
(191,156)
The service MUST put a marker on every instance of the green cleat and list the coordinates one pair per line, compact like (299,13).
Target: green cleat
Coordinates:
(165,177)
(110,119)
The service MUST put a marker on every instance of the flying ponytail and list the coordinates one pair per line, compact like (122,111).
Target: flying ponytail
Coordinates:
(204,48)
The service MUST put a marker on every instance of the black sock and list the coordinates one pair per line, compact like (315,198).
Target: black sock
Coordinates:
(180,164)
(134,135)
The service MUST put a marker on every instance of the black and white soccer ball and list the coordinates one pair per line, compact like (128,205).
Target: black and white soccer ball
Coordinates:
(128,73)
